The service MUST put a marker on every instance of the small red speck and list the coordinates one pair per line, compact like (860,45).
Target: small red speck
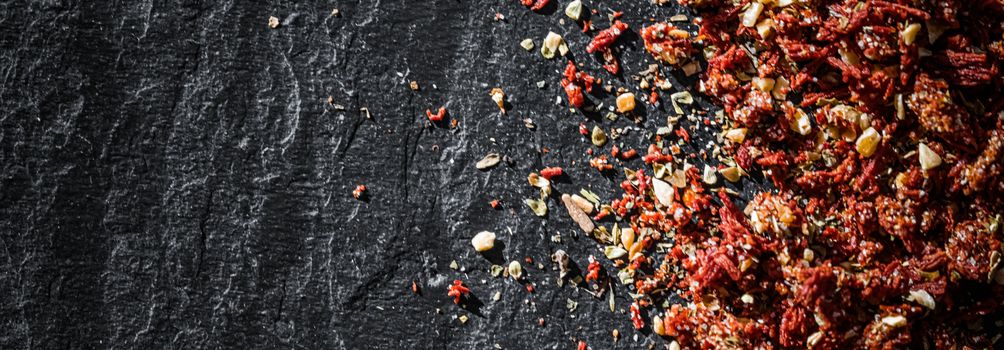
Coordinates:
(438,117)
(359,192)
(414,287)
(457,290)
(551,172)
(582,345)
(529,288)
(495,204)
(583,130)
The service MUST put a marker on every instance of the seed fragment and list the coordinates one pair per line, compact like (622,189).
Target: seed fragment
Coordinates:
(894,321)
(538,207)
(751,15)
(763,84)
(515,270)
(928,158)
(552,43)
(483,241)
(683,97)
(583,204)
(598,137)
(709,176)
(802,123)
(574,10)
(678,179)
(663,192)
(527,44)
(658,327)
(868,142)
(923,298)
(499,97)
(489,161)
(737,135)
(273,22)
(746,299)
(625,102)
(909,34)
(614,252)
(732,174)
(579,216)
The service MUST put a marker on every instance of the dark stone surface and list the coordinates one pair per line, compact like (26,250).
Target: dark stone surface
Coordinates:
(172,176)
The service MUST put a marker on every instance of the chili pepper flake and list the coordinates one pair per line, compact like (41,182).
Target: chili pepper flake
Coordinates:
(438,116)
(551,172)
(593,273)
(359,192)
(458,291)
(535,5)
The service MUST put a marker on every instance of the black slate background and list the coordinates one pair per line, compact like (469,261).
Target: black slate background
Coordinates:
(172,176)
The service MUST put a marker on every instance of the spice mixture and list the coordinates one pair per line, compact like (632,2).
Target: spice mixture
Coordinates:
(879,125)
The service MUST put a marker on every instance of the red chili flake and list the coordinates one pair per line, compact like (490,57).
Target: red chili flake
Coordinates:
(457,290)
(636,320)
(611,64)
(667,43)
(683,134)
(601,163)
(574,82)
(629,154)
(535,5)
(551,172)
(454,123)
(605,38)
(583,130)
(594,270)
(359,192)
(414,287)
(495,204)
(586,25)
(529,288)
(528,260)
(582,345)
(438,117)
